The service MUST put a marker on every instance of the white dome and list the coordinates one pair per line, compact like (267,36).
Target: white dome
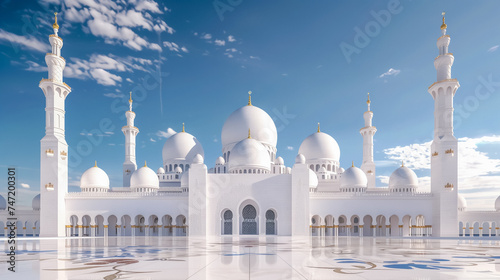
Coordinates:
(181,146)
(198,159)
(300,158)
(342,170)
(280,161)
(249,153)
(462,203)
(35,203)
(94,177)
(3,203)
(160,171)
(313,179)
(250,117)
(353,177)
(497,204)
(144,177)
(320,145)
(178,169)
(403,177)
(220,161)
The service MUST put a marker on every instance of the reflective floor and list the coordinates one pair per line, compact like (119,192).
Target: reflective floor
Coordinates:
(253,258)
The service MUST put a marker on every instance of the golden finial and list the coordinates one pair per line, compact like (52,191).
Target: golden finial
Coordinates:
(249,135)
(250,98)
(368,101)
(402,163)
(130,99)
(443,26)
(318,128)
(183,129)
(352,165)
(145,164)
(95,163)
(55,26)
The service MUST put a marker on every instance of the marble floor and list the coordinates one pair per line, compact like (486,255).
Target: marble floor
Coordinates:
(253,258)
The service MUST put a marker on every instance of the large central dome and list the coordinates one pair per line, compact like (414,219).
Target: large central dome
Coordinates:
(250,117)
(181,146)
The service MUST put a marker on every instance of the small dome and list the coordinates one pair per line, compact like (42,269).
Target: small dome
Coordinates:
(462,203)
(320,145)
(280,161)
(198,159)
(35,203)
(144,177)
(342,170)
(94,177)
(3,203)
(178,169)
(403,177)
(300,158)
(220,161)
(181,146)
(353,177)
(313,179)
(257,120)
(249,153)
(322,169)
(160,171)
(497,204)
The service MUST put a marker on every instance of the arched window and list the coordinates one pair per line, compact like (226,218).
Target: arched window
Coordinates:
(249,223)
(317,167)
(270,222)
(227,222)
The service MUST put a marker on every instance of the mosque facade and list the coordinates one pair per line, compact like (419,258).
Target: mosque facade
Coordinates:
(249,190)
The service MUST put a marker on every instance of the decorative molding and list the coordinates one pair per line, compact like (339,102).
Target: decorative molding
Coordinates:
(435,154)
(448,186)
(49,186)
(449,151)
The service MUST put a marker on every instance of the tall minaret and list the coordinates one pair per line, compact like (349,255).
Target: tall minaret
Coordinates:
(444,148)
(130,132)
(368,166)
(54,150)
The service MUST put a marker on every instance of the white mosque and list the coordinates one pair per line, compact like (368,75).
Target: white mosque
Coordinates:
(250,190)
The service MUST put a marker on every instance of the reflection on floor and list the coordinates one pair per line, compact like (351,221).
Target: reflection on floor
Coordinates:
(253,258)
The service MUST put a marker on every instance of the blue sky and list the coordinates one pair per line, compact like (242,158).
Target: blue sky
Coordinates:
(195,61)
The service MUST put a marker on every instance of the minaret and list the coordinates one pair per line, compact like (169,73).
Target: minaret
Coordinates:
(444,148)
(368,165)
(54,149)
(130,132)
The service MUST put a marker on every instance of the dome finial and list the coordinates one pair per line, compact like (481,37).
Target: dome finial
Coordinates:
(402,163)
(55,26)
(249,98)
(145,164)
(130,102)
(368,101)
(249,135)
(95,163)
(183,128)
(352,165)
(443,26)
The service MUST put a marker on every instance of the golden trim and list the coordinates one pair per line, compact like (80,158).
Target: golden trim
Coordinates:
(49,151)
(79,226)
(435,154)
(69,226)
(63,153)
(24,227)
(442,81)
(400,226)
(448,186)
(442,55)
(52,81)
(55,25)
(49,186)
(443,36)
(105,226)
(360,226)
(34,228)
(449,151)
(481,228)
(249,98)
(55,36)
(443,26)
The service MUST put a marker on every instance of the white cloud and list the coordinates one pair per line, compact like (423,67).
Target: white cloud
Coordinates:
(148,6)
(27,42)
(103,77)
(254,57)
(219,42)
(35,67)
(184,49)
(26,186)
(494,48)
(129,80)
(390,72)
(114,95)
(165,134)
(231,50)
(290,148)
(207,36)
(152,140)
(229,55)
(231,38)
(479,174)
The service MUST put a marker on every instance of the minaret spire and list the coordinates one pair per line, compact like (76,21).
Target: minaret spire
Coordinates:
(54,168)
(183,128)
(444,166)
(368,131)
(249,98)
(130,132)
(318,128)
